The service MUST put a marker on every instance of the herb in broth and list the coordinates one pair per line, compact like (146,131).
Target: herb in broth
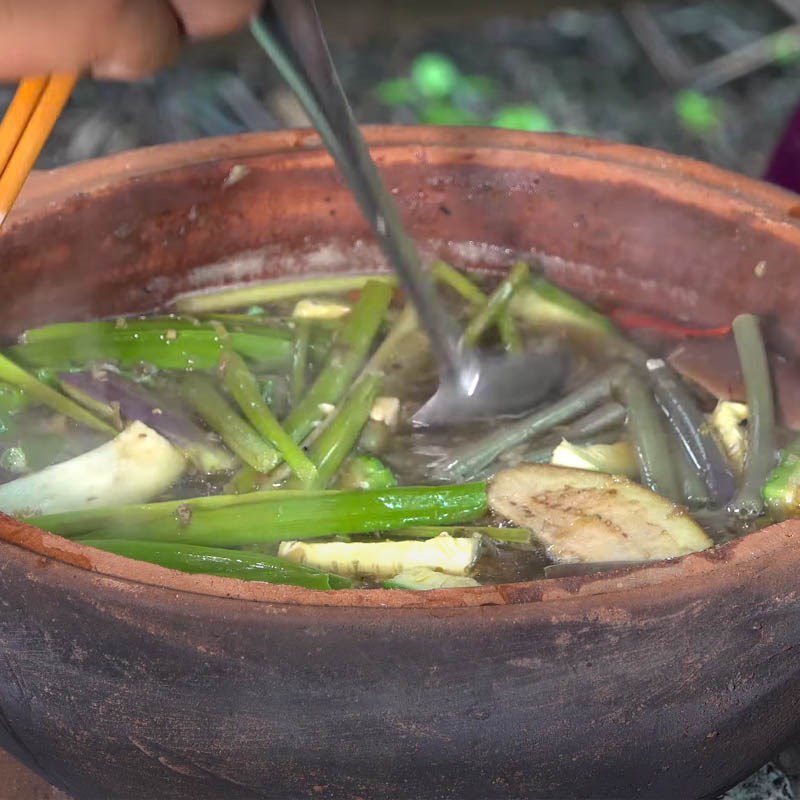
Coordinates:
(264,433)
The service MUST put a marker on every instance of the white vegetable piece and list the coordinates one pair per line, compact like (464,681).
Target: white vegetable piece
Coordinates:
(386,410)
(384,559)
(727,422)
(136,466)
(424,579)
(592,517)
(615,459)
(320,309)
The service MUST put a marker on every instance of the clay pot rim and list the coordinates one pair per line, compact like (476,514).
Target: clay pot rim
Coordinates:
(46,190)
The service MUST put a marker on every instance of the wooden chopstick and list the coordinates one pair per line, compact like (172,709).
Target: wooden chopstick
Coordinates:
(18,116)
(25,129)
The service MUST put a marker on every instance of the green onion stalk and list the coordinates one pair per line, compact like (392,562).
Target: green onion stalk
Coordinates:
(281,516)
(246,566)
(349,353)
(761,445)
(243,387)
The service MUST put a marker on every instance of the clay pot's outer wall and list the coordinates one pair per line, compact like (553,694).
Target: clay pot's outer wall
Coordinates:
(124,680)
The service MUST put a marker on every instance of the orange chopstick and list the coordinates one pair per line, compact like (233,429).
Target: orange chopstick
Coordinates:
(25,129)
(18,116)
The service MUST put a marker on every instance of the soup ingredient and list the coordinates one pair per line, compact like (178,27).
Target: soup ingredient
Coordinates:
(285,515)
(350,350)
(385,559)
(489,311)
(386,410)
(691,426)
(471,459)
(425,579)
(695,491)
(134,402)
(302,337)
(650,437)
(727,421)
(341,435)
(318,308)
(165,343)
(614,459)
(593,517)
(243,387)
(225,563)
(460,283)
(761,445)
(506,534)
(134,467)
(218,414)
(39,392)
(546,307)
(609,415)
(273,291)
(782,491)
(365,472)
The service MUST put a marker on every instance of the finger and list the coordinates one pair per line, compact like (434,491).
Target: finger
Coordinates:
(206,18)
(112,38)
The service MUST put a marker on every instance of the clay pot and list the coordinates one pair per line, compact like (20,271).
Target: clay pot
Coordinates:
(124,680)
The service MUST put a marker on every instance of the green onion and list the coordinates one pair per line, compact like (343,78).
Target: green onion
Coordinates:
(245,566)
(200,393)
(498,301)
(276,290)
(365,472)
(302,334)
(472,459)
(341,435)
(243,387)
(165,348)
(281,516)
(460,283)
(650,437)
(509,333)
(761,446)
(38,392)
(350,350)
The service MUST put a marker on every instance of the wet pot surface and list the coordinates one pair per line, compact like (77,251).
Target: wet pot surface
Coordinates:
(124,680)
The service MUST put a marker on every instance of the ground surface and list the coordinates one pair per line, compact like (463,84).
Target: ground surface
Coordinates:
(573,71)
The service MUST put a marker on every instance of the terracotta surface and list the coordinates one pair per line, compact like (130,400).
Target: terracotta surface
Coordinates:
(120,680)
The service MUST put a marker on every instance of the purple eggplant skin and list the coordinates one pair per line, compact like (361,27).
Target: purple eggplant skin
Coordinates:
(134,402)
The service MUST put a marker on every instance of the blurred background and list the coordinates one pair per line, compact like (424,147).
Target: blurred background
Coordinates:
(717,79)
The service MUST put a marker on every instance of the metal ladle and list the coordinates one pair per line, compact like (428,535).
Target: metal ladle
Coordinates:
(472,384)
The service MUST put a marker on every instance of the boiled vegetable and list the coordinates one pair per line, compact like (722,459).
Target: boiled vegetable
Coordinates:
(613,459)
(728,423)
(39,392)
(199,392)
(385,559)
(761,455)
(425,579)
(365,472)
(273,291)
(243,387)
(782,490)
(283,515)
(134,402)
(243,566)
(136,466)
(349,353)
(589,516)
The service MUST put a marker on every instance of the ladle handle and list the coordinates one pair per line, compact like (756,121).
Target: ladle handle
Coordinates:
(291,34)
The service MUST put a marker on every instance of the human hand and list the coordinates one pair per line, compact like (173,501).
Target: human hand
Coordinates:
(112,39)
